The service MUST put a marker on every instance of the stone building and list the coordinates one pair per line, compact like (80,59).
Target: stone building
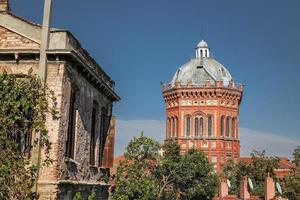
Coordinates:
(82,140)
(202,108)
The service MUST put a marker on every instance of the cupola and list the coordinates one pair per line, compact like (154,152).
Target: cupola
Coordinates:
(202,50)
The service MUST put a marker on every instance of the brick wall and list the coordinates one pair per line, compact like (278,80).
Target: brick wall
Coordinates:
(11,40)
(62,75)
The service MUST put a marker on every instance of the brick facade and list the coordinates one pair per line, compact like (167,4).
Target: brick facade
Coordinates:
(215,101)
(202,108)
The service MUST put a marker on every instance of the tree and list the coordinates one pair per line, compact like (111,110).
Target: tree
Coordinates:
(23,105)
(292,183)
(259,167)
(144,174)
(234,172)
(167,172)
(196,179)
(134,175)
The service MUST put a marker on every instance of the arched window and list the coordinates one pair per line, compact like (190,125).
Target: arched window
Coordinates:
(173,127)
(227,126)
(169,127)
(201,126)
(222,126)
(176,126)
(201,53)
(188,125)
(209,126)
(233,127)
(196,127)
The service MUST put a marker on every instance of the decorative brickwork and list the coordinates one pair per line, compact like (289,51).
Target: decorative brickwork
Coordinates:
(202,111)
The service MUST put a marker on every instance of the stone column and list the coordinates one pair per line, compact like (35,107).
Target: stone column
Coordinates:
(244,193)
(269,188)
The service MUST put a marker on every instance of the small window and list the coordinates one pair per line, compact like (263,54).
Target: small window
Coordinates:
(188,125)
(223,72)
(173,127)
(222,126)
(93,136)
(233,127)
(199,67)
(196,127)
(227,126)
(104,125)
(169,127)
(201,126)
(176,126)
(213,159)
(209,126)
(70,143)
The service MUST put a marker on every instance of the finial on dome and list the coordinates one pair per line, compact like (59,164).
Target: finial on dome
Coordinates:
(4,6)
(202,50)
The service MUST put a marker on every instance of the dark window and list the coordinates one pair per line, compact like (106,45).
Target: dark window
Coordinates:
(173,127)
(25,142)
(222,126)
(188,125)
(196,127)
(104,125)
(209,126)
(93,136)
(233,127)
(169,127)
(201,126)
(227,126)
(71,127)
(176,126)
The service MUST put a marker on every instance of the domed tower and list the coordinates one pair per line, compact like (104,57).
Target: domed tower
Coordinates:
(202,108)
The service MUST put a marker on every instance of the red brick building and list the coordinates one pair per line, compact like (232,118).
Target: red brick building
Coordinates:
(202,108)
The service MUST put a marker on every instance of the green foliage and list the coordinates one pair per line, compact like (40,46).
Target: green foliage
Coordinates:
(260,167)
(291,184)
(257,170)
(146,175)
(77,196)
(197,180)
(23,105)
(134,179)
(92,195)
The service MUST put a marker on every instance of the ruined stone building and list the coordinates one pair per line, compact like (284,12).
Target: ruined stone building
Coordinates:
(82,140)
(202,108)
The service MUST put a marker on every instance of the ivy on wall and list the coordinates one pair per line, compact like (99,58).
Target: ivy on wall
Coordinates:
(24,103)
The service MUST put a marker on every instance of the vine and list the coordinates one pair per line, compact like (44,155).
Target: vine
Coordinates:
(24,104)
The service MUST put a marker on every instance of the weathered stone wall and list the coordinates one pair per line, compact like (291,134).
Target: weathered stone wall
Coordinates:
(86,95)
(47,179)
(11,40)
(64,176)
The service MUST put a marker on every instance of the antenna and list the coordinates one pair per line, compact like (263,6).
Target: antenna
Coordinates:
(202,32)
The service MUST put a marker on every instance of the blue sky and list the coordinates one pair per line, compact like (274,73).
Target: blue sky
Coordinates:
(141,43)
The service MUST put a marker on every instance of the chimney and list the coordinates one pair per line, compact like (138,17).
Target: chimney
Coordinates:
(4,6)
(269,188)
(223,188)
(244,193)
